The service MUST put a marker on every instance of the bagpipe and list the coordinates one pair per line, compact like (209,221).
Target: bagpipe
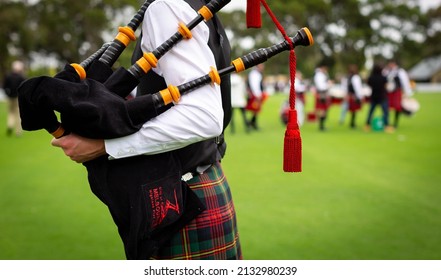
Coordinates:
(82,104)
(145,195)
(71,91)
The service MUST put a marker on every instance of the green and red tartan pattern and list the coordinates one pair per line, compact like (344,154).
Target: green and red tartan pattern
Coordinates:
(213,235)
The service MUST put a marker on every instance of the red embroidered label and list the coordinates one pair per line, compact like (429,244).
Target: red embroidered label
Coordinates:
(161,205)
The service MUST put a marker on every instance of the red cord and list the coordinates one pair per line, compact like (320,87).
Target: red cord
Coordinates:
(292,152)
(292,56)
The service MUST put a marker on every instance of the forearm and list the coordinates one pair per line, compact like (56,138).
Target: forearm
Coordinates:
(80,149)
(180,126)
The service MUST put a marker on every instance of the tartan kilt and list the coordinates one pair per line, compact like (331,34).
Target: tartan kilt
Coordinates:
(213,235)
(395,98)
(354,104)
(254,104)
(322,101)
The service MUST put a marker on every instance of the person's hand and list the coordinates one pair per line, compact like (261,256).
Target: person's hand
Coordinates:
(80,149)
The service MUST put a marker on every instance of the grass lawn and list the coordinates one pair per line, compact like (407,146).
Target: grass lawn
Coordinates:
(360,195)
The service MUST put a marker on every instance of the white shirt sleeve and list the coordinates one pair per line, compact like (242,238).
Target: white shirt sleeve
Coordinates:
(405,82)
(299,85)
(321,81)
(358,86)
(199,114)
(255,82)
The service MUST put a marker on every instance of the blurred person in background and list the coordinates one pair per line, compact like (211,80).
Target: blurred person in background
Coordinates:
(301,88)
(322,84)
(398,84)
(354,89)
(11,83)
(256,94)
(238,101)
(344,103)
(377,82)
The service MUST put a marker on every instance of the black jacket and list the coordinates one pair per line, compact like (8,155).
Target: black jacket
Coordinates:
(377,82)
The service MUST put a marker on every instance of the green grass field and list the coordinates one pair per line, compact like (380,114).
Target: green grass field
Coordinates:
(360,196)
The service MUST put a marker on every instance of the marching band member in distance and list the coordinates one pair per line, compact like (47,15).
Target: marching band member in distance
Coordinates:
(377,82)
(321,83)
(256,94)
(354,89)
(397,86)
(191,129)
(10,84)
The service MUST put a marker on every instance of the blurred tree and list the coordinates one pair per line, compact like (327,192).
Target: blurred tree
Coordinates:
(345,31)
(431,46)
(399,28)
(73,29)
(14,37)
(69,31)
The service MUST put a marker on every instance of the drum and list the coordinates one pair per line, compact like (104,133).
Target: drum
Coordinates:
(410,106)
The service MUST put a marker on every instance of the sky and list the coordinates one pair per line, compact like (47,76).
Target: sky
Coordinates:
(241,4)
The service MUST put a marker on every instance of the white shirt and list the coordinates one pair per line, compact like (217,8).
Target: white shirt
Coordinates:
(238,91)
(404,80)
(321,80)
(299,85)
(357,85)
(255,82)
(199,114)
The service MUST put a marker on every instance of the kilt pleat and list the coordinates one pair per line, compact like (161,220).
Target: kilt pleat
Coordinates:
(354,104)
(213,235)
(395,98)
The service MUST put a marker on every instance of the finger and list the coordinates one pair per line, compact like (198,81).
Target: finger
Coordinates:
(77,159)
(74,159)
(56,142)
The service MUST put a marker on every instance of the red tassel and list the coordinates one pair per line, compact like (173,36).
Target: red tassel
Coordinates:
(292,154)
(254,19)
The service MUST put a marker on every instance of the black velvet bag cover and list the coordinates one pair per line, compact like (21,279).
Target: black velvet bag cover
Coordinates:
(121,82)
(145,195)
(87,108)
(98,71)
(146,198)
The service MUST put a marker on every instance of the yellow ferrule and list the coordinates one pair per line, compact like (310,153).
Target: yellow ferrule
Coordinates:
(308,33)
(185,32)
(205,13)
(239,65)
(144,64)
(59,132)
(166,96)
(80,70)
(214,75)
(170,94)
(151,59)
(174,92)
(128,31)
(125,35)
